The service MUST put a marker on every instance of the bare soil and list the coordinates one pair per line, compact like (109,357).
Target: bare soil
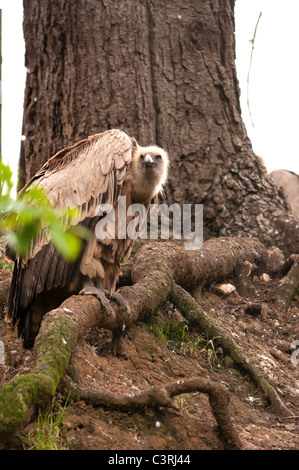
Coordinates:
(264,333)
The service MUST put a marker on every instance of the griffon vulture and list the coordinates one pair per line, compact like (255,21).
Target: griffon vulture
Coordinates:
(94,171)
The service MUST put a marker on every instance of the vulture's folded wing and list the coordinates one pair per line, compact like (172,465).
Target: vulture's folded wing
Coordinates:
(79,177)
(84,175)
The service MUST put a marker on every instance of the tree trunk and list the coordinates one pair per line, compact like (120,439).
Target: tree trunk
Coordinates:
(89,70)
(163,71)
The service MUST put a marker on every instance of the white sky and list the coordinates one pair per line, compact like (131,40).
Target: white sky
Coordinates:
(274,78)
(273,85)
(13,81)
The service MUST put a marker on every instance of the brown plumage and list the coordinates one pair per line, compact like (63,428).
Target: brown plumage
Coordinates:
(94,171)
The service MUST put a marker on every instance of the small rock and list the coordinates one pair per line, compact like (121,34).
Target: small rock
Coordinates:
(223,289)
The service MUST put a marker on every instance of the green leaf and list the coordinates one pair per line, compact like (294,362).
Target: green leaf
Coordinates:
(5,179)
(21,220)
(66,243)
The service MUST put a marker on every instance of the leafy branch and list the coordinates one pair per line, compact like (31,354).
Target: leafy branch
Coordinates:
(23,219)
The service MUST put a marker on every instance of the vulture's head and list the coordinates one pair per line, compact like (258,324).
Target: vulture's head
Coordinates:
(148,172)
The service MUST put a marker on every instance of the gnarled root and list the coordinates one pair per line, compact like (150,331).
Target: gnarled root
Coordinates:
(198,318)
(289,283)
(160,396)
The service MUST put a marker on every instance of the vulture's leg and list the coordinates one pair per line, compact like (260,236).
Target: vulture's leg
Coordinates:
(103,295)
(117,342)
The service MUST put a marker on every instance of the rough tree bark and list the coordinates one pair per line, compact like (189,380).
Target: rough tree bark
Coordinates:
(163,71)
(89,69)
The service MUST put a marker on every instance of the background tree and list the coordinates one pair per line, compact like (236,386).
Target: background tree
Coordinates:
(163,71)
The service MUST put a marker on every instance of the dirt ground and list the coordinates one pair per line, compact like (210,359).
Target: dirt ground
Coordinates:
(154,355)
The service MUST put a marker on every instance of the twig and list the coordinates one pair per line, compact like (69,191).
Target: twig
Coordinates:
(250,63)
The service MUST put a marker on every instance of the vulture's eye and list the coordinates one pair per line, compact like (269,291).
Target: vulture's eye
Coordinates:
(158,157)
(141,157)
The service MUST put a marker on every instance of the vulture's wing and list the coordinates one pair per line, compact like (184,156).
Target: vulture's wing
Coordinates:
(79,177)
(84,175)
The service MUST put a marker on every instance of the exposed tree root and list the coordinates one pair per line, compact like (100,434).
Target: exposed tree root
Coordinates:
(53,348)
(157,272)
(198,318)
(161,396)
(289,283)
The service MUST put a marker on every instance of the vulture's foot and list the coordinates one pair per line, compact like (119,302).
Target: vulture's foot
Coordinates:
(104,296)
(116,297)
(101,295)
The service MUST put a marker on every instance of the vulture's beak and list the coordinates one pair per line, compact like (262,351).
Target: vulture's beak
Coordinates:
(148,161)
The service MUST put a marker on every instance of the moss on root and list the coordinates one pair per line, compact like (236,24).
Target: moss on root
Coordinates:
(54,346)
